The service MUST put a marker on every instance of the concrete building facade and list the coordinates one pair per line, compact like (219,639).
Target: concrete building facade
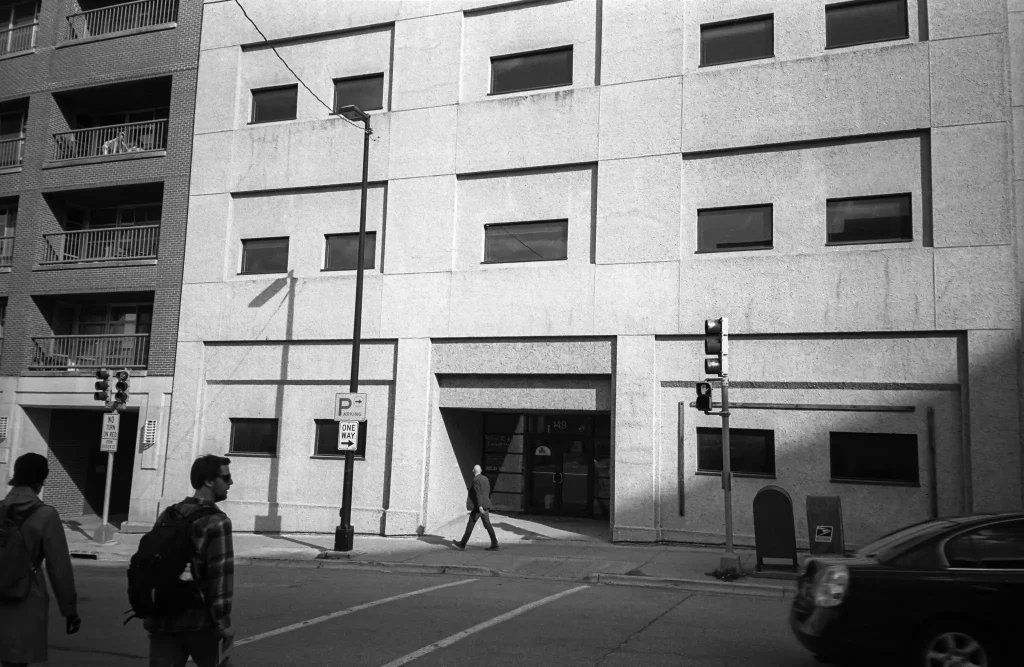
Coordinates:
(96,103)
(890,369)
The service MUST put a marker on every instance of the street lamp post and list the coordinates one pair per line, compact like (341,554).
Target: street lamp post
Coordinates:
(344,532)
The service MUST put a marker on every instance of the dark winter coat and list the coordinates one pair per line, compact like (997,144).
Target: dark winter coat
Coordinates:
(23,624)
(479,494)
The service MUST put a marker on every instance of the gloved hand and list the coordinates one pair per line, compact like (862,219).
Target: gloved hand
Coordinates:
(73,624)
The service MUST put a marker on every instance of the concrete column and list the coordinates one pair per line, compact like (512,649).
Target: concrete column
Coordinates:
(634,475)
(410,439)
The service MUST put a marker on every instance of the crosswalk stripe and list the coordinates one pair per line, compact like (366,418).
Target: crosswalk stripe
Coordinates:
(343,612)
(448,641)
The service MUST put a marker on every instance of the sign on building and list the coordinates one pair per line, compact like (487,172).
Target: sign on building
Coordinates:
(111,429)
(350,407)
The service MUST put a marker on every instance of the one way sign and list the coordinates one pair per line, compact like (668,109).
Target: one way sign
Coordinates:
(350,407)
(348,436)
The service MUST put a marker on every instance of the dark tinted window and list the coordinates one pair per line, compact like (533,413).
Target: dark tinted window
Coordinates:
(751,451)
(272,104)
(265,255)
(869,219)
(998,546)
(526,241)
(904,538)
(874,457)
(343,252)
(741,228)
(528,71)
(852,23)
(735,41)
(254,436)
(365,92)
(327,439)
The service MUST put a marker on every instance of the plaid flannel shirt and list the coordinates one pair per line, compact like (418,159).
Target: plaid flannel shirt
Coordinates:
(213,568)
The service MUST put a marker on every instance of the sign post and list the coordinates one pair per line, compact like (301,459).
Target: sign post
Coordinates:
(108,443)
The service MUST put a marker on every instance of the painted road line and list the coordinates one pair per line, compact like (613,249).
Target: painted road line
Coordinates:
(344,612)
(448,641)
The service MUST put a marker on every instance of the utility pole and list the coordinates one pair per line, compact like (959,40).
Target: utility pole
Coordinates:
(344,533)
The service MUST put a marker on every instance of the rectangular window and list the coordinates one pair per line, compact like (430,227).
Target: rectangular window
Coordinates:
(884,219)
(737,228)
(365,92)
(343,251)
(874,457)
(526,241)
(529,71)
(735,41)
(327,440)
(861,22)
(751,451)
(254,436)
(270,104)
(265,255)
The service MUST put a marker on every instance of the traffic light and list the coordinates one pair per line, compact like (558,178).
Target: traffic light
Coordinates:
(103,389)
(704,397)
(716,345)
(122,386)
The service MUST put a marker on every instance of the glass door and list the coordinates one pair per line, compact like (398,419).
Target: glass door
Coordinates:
(561,475)
(575,477)
(545,469)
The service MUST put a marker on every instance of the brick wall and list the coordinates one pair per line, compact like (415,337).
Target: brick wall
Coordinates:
(169,54)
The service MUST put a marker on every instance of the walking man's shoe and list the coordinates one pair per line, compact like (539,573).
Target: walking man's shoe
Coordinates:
(458,545)
(493,547)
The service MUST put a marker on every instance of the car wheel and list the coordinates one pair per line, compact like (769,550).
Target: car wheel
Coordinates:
(955,645)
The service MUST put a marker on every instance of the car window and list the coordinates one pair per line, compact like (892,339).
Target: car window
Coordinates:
(904,538)
(998,546)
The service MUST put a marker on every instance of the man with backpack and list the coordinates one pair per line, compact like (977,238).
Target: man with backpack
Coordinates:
(180,580)
(31,532)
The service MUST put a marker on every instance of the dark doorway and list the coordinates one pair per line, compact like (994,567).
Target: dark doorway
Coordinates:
(75,445)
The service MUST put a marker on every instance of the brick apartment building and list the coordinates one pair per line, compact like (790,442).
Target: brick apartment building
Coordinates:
(96,112)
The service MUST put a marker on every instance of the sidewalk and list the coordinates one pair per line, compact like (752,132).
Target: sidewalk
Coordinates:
(527,550)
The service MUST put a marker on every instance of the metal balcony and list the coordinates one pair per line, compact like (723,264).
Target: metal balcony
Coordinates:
(6,251)
(120,18)
(100,245)
(22,38)
(149,135)
(68,353)
(11,152)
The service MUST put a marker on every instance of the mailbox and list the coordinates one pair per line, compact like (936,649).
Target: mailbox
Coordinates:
(774,531)
(825,525)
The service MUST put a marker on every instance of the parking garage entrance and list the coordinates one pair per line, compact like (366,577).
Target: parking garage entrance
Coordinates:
(555,464)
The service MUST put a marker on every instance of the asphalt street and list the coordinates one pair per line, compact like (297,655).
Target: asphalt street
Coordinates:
(320,617)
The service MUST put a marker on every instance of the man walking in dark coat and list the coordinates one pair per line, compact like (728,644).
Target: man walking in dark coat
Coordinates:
(479,504)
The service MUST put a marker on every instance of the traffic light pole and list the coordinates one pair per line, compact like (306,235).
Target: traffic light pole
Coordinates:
(344,533)
(103,535)
(729,562)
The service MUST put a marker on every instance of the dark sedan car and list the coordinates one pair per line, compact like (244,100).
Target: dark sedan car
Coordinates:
(942,593)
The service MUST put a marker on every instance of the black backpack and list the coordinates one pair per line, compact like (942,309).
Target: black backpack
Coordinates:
(16,567)
(155,587)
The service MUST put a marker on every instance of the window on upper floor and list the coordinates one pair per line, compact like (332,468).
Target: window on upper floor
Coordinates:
(265,255)
(736,41)
(516,72)
(889,458)
(327,440)
(364,92)
(539,241)
(12,136)
(19,22)
(342,252)
(253,436)
(272,104)
(864,22)
(80,217)
(751,451)
(881,219)
(734,228)
(8,220)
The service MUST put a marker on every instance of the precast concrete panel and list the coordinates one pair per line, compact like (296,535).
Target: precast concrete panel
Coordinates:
(641,39)
(972,290)
(638,210)
(423,142)
(968,80)
(635,464)
(641,118)
(427,61)
(414,305)
(421,221)
(207,249)
(636,299)
(217,97)
(573,356)
(955,18)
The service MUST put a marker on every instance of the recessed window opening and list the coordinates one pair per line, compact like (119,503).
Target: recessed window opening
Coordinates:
(273,104)
(265,255)
(734,228)
(253,436)
(342,252)
(865,22)
(751,451)
(365,92)
(539,241)
(327,440)
(737,41)
(882,219)
(874,457)
(530,71)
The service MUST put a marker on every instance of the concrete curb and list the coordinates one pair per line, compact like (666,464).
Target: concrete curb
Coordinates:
(779,592)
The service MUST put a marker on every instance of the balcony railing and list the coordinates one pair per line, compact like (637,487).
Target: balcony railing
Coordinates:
(149,135)
(10,152)
(6,251)
(100,245)
(117,18)
(22,38)
(53,353)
